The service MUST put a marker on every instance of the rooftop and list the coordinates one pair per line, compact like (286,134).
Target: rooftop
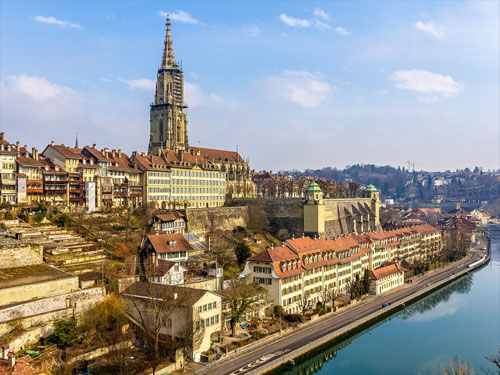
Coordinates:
(12,277)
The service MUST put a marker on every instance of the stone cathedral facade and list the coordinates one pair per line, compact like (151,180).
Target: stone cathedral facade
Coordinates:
(168,116)
(169,130)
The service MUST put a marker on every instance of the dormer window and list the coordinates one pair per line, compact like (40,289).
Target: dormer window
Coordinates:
(283,268)
(298,263)
(289,266)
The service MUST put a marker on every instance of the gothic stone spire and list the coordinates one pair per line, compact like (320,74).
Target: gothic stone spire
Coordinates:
(168,59)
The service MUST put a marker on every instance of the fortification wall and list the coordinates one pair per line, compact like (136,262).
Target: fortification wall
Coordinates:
(20,255)
(341,216)
(78,300)
(26,292)
(281,213)
(202,220)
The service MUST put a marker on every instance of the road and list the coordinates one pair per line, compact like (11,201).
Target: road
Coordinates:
(252,360)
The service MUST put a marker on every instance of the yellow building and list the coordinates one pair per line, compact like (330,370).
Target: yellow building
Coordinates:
(169,131)
(180,180)
(305,268)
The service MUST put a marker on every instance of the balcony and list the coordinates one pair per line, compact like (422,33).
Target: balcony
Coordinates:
(34,190)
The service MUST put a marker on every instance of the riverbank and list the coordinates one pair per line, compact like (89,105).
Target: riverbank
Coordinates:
(268,355)
(373,318)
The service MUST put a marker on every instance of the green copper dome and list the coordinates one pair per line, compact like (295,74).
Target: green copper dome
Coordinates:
(313,187)
(371,188)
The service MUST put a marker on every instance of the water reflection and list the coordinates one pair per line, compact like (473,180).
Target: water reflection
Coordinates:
(441,297)
(308,366)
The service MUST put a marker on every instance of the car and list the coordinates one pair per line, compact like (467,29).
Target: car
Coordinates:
(385,305)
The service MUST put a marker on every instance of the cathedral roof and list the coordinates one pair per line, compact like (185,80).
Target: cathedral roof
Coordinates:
(218,155)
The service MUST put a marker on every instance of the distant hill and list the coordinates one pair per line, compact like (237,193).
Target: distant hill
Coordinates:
(387,179)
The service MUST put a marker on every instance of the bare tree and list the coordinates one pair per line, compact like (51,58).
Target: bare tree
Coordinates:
(456,367)
(238,301)
(152,305)
(495,359)
(191,334)
(304,303)
(329,295)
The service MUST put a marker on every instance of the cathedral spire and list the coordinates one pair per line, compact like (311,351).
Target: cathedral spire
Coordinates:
(168,59)
(76,140)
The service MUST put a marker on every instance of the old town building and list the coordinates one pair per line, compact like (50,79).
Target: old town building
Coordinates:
(169,131)
(307,266)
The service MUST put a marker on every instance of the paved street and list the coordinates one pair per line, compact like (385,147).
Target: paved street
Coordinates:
(300,337)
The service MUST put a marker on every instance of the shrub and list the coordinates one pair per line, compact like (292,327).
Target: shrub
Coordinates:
(64,332)
(293,318)
(278,310)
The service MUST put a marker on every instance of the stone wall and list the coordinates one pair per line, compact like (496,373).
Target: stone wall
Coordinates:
(281,213)
(26,292)
(77,299)
(20,254)
(349,215)
(202,220)
(340,215)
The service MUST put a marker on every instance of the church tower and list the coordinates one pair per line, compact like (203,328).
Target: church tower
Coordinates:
(168,112)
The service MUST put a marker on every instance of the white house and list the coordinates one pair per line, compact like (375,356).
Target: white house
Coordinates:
(388,276)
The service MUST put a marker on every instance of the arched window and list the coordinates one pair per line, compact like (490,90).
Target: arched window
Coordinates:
(178,130)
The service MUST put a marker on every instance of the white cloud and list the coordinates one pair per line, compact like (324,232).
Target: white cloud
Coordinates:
(382,92)
(55,21)
(290,21)
(320,13)
(55,110)
(430,28)
(139,83)
(322,25)
(38,88)
(434,86)
(342,31)
(179,16)
(298,87)
(252,30)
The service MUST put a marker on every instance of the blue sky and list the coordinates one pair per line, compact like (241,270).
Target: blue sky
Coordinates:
(291,84)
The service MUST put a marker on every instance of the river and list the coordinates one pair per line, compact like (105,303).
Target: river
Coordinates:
(461,319)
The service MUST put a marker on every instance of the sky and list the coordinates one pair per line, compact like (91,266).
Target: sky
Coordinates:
(290,85)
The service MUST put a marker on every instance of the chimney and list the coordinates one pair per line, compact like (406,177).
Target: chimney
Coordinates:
(11,361)
(94,145)
(113,152)
(180,154)
(2,136)
(18,145)
(143,153)
(34,153)
(52,143)
(119,152)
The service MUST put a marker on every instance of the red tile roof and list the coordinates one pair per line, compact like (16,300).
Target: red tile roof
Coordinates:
(164,243)
(218,155)
(387,269)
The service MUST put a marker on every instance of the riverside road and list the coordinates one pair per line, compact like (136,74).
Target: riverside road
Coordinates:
(251,361)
